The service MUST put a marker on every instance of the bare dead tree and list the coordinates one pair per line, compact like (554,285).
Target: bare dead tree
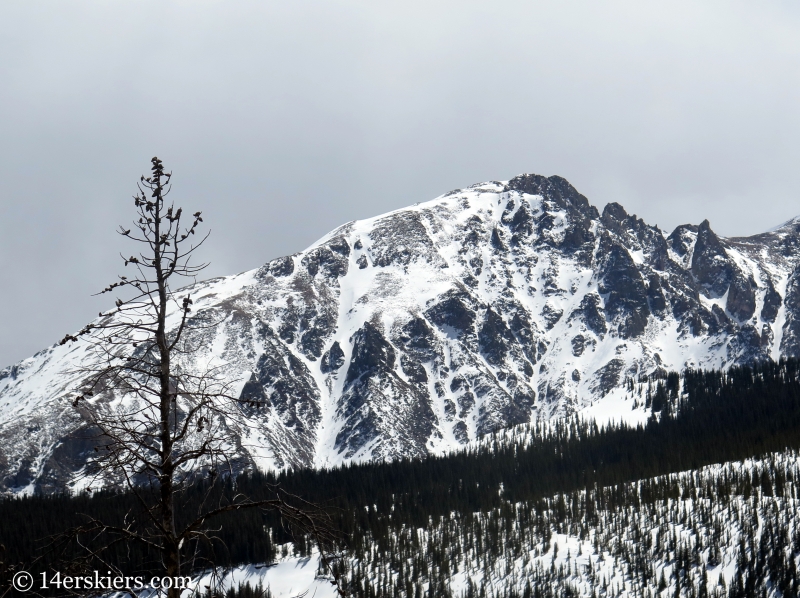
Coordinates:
(161,420)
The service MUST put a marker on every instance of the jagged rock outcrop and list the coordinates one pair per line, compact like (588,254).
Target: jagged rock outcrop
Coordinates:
(423,329)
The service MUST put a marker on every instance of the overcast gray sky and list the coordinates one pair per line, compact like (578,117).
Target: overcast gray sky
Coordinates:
(282,120)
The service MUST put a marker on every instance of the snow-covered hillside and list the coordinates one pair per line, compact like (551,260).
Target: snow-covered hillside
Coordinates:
(420,330)
(721,531)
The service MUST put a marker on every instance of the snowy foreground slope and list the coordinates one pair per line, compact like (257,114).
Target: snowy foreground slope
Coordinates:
(720,531)
(420,330)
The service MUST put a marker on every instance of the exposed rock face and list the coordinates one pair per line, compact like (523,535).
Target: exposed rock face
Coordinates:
(790,341)
(711,266)
(420,330)
(621,282)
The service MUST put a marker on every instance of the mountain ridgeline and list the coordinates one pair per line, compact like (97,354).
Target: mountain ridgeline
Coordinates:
(422,330)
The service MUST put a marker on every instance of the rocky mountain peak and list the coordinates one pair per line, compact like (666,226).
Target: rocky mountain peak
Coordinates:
(420,330)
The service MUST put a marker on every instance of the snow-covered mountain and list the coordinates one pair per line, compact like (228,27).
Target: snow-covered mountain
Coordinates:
(423,329)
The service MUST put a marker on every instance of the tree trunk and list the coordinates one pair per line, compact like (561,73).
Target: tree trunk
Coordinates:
(171,549)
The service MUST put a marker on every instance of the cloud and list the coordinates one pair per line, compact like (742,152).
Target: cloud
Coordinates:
(283,120)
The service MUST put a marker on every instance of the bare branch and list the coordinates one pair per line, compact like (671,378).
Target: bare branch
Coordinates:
(157,415)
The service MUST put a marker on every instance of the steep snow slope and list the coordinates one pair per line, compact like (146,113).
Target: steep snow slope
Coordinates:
(423,329)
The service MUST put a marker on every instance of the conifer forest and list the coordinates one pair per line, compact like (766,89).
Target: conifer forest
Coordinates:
(701,501)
